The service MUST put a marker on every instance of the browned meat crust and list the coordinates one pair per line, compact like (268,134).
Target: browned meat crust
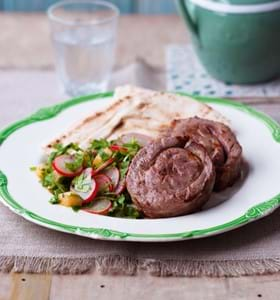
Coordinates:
(220,143)
(170,176)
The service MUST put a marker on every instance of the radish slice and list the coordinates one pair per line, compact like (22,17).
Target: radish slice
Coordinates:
(59,165)
(114,174)
(103,166)
(85,186)
(104,183)
(120,187)
(142,139)
(100,206)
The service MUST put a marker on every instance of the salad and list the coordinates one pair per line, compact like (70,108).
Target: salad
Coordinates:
(92,179)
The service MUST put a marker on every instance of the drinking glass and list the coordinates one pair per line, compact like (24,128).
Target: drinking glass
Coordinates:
(84,38)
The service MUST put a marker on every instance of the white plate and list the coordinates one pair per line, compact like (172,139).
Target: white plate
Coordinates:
(254,197)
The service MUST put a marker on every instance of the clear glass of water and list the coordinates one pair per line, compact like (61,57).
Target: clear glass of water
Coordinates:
(84,37)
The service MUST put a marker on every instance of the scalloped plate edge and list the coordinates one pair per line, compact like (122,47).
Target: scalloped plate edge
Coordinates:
(254,213)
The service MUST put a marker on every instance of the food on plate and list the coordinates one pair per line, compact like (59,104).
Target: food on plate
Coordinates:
(220,143)
(142,139)
(91,179)
(138,111)
(101,206)
(70,199)
(148,154)
(171,176)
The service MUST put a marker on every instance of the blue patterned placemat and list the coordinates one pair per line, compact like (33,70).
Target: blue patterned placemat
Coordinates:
(185,73)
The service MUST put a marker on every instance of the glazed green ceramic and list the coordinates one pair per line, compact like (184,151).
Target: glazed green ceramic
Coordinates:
(242,48)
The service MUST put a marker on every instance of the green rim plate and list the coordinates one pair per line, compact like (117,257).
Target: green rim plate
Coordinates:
(254,213)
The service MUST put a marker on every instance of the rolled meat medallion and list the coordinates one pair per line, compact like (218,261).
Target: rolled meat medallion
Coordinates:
(170,176)
(220,143)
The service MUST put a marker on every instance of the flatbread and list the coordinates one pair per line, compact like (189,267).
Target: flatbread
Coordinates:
(136,110)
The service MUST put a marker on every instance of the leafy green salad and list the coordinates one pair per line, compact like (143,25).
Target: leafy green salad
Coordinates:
(92,179)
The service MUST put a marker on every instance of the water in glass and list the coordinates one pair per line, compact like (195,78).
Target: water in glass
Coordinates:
(84,59)
(84,37)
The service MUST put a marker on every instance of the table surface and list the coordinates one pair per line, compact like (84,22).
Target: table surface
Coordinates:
(25,42)
(140,37)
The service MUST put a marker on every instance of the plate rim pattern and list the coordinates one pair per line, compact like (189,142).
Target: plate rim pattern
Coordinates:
(256,212)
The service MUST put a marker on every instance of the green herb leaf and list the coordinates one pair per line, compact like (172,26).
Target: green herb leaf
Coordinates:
(58,146)
(88,159)
(132,147)
(76,208)
(48,180)
(82,183)
(77,162)
(100,144)
(123,168)
(60,149)
(123,208)
(104,156)
(121,200)
(54,199)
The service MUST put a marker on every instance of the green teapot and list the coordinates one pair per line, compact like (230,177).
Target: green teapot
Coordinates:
(237,41)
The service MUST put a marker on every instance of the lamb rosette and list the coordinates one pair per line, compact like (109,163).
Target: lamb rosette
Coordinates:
(170,176)
(220,143)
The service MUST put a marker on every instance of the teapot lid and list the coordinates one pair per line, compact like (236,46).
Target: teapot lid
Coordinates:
(239,6)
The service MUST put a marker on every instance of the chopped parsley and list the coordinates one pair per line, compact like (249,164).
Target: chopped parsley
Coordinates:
(54,199)
(78,159)
(123,208)
(82,183)
(100,144)
(123,166)
(104,156)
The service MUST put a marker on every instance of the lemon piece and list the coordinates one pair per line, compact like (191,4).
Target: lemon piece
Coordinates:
(69,199)
(40,171)
(97,161)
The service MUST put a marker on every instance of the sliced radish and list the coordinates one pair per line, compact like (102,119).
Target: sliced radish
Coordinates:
(120,187)
(103,166)
(85,186)
(104,183)
(59,165)
(114,174)
(142,139)
(100,206)
(118,148)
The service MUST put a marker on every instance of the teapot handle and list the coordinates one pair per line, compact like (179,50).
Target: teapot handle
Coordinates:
(181,4)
